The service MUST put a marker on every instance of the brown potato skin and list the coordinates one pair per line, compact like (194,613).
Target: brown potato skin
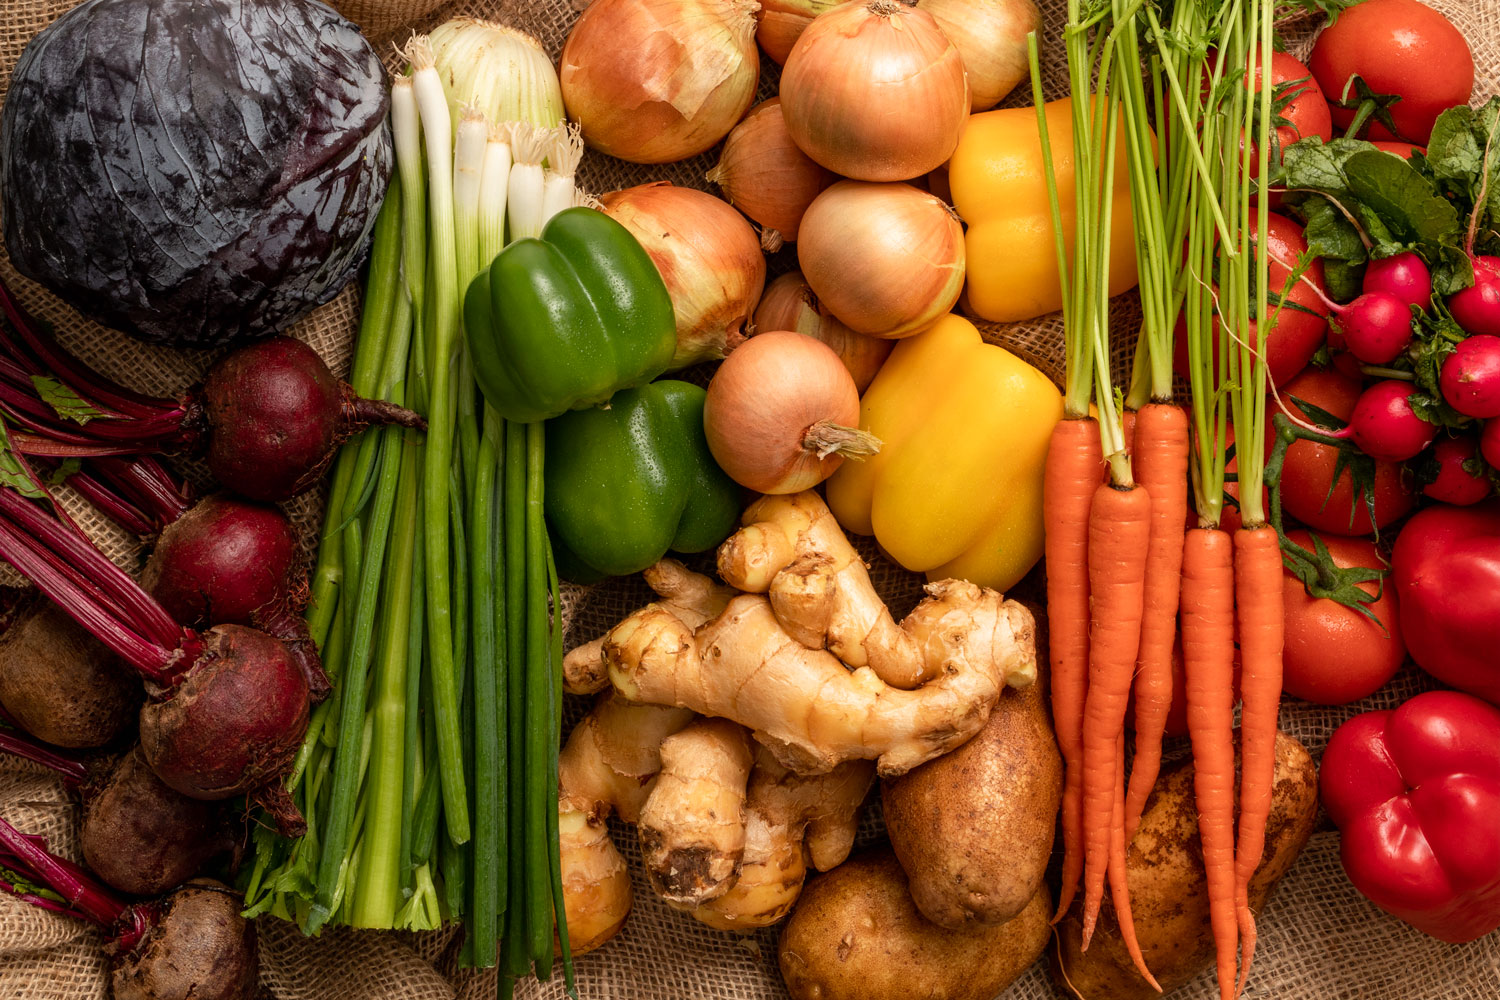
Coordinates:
(1168,894)
(855,935)
(973,829)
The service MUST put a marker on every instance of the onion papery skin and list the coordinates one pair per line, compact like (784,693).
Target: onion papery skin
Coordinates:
(762,403)
(783,21)
(886,259)
(991,38)
(656,81)
(875,91)
(763,173)
(789,304)
(707,254)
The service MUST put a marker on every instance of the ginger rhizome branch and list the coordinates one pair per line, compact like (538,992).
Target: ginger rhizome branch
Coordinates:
(692,597)
(792,550)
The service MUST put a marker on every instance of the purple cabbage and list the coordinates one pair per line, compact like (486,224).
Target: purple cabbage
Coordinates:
(195,172)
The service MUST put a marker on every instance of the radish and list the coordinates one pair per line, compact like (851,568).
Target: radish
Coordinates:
(137,834)
(1477,308)
(1404,276)
(1384,426)
(220,559)
(1376,327)
(1489,443)
(228,706)
(1470,378)
(191,945)
(1454,483)
(61,684)
(268,416)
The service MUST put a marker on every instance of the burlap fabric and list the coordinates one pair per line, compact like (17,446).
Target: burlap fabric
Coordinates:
(1319,938)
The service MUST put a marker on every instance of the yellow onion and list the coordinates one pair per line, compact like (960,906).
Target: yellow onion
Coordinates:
(875,91)
(781,21)
(707,254)
(782,413)
(789,304)
(765,175)
(991,38)
(886,259)
(654,81)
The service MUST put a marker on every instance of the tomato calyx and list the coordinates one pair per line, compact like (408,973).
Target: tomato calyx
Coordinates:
(1322,578)
(1366,104)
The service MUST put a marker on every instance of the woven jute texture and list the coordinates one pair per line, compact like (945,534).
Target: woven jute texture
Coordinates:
(1319,938)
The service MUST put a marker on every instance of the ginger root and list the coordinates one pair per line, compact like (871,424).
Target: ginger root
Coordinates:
(692,597)
(692,827)
(793,821)
(804,704)
(609,763)
(792,550)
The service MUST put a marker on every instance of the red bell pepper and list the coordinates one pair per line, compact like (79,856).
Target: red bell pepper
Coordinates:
(1446,569)
(1415,793)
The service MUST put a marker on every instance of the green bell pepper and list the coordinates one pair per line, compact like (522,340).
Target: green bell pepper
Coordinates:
(629,482)
(567,320)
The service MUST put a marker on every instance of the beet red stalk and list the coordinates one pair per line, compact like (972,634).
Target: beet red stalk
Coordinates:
(193,943)
(268,416)
(228,706)
(137,834)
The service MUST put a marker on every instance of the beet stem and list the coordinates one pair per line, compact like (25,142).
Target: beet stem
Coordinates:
(112,505)
(84,896)
(78,376)
(73,771)
(48,554)
(360,413)
(137,493)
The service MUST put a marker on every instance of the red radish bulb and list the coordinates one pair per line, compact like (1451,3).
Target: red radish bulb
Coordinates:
(1404,276)
(782,413)
(1489,443)
(1376,327)
(1384,426)
(1477,308)
(1454,483)
(1470,378)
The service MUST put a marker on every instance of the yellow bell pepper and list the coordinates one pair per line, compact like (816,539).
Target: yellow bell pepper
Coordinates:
(1000,191)
(956,490)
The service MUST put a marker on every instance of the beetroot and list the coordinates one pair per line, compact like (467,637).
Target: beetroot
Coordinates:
(269,416)
(1404,276)
(190,945)
(1453,483)
(137,834)
(1384,426)
(61,684)
(228,706)
(222,561)
(1470,378)
(1376,327)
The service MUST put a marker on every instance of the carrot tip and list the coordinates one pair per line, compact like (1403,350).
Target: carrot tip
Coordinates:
(1088,932)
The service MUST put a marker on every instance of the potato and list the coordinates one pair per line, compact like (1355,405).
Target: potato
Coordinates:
(1168,894)
(855,935)
(973,829)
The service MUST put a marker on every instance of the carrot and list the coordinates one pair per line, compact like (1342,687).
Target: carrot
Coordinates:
(1208,659)
(1258,602)
(1119,882)
(1072,475)
(1119,535)
(1161,466)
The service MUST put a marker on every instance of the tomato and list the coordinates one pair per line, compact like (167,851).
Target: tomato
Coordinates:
(1401,149)
(1307,114)
(1399,48)
(1303,319)
(1334,654)
(1454,483)
(1309,466)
